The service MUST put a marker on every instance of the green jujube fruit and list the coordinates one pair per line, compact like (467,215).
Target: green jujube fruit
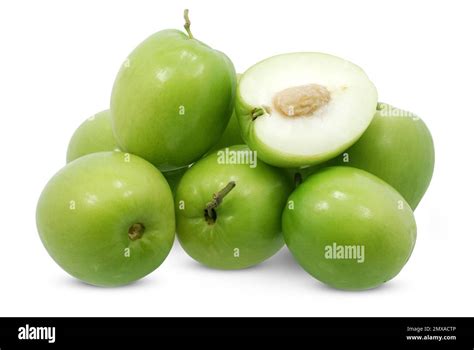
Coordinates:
(348,228)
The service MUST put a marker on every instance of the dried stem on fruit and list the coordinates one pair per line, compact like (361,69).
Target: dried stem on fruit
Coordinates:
(187,24)
(210,210)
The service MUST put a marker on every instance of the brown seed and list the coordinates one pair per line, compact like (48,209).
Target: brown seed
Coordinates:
(301,100)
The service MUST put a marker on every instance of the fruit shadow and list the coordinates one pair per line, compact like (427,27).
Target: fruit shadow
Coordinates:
(387,287)
(285,267)
(75,283)
(282,263)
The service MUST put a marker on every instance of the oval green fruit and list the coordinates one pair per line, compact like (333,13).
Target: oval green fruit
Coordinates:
(398,148)
(107,218)
(348,228)
(172,99)
(93,135)
(229,227)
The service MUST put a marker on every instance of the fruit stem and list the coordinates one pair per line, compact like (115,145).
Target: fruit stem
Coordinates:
(187,24)
(257,112)
(210,210)
(136,231)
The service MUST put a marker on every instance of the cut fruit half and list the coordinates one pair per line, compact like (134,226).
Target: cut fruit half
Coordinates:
(301,109)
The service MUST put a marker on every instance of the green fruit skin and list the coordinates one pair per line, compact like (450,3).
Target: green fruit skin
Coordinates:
(297,175)
(172,99)
(397,147)
(85,211)
(93,135)
(173,178)
(349,206)
(231,135)
(249,217)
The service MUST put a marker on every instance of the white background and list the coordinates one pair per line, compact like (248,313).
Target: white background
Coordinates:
(58,60)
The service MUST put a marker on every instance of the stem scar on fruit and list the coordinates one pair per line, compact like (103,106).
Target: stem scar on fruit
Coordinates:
(136,231)
(210,211)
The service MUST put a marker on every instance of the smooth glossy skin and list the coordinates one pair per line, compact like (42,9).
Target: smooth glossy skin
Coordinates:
(349,207)
(93,135)
(86,210)
(172,99)
(248,226)
(398,148)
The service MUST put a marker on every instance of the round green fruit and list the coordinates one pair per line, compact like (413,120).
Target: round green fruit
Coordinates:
(228,209)
(301,109)
(398,148)
(107,218)
(348,228)
(93,135)
(172,99)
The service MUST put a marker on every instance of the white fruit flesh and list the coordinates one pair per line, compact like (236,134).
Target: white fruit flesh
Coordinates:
(334,125)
